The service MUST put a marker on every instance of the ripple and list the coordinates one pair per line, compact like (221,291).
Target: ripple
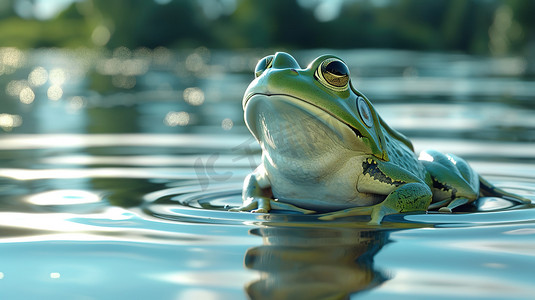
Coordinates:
(192,204)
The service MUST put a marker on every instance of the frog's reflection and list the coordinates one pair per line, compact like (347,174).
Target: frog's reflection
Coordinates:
(314,263)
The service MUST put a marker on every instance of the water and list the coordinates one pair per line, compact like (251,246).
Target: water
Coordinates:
(118,188)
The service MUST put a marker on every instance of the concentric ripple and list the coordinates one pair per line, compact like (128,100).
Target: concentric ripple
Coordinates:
(192,204)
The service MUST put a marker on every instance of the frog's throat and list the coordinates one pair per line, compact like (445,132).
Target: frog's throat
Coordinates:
(336,124)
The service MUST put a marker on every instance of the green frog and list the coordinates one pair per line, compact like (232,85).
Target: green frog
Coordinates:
(325,149)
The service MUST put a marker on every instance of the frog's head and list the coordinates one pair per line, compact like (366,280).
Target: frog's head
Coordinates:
(322,91)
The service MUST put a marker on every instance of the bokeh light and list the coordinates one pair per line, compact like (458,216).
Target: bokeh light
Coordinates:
(57,76)
(122,81)
(26,95)
(54,92)
(174,118)
(14,87)
(194,96)
(38,76)
(9,121)
(101,35)
(76,103)
(10,60)
(227,124)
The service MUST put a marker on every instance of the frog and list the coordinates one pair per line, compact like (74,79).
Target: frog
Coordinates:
(327,151)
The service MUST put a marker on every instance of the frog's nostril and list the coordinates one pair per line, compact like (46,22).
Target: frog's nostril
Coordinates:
(294,71)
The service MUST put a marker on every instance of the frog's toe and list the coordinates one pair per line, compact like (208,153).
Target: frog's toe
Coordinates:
(452,205)
(445,210)
(356,211)
(254,205)
(247,207)
(327,217)
(275,204)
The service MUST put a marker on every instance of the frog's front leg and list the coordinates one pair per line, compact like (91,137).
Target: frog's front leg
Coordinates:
(404,192)
(258,197)
(256,193)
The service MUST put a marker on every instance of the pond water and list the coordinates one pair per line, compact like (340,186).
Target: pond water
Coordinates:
(117,169)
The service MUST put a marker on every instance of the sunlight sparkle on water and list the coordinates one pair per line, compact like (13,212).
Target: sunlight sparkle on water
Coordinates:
(76,103)
(227,124)
(194,96)
(204,278)
(9,121)
(54,92)
(57,76)
(26,95)
(38,77)
(64,197)
(10,60)
(174,118)
(67,226)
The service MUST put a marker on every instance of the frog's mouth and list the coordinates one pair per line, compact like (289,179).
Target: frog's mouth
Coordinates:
(286,122)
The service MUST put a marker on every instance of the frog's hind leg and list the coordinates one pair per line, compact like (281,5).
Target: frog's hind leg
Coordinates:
(410,197)
(454,182)
(490,190)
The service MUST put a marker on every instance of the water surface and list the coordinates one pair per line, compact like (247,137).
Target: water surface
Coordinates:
(117,169)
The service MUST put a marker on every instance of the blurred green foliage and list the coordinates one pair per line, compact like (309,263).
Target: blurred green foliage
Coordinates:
(472,26)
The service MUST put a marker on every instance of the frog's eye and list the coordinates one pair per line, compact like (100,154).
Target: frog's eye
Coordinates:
(334,74)
(262,65)
(364,112)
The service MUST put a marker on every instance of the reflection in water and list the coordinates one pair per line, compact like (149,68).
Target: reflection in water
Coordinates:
(314,263)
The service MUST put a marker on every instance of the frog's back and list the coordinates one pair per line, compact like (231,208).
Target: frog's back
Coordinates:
(401,154)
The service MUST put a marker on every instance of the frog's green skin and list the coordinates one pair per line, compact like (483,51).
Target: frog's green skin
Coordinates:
(326,149)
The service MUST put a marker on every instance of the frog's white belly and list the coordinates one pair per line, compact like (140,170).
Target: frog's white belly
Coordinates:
(310,158)
(333,191)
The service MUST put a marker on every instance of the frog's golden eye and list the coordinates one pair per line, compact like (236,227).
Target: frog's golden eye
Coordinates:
(262,65)
(334,74)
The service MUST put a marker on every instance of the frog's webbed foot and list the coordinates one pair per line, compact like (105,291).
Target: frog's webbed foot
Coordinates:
(445,209)
(254,205)
(452,205)
(409,197)
(377,213)
(264,205)
(356,211)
